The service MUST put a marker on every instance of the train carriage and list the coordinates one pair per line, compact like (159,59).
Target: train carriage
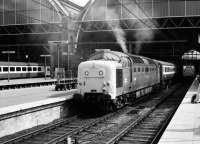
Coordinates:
(22,70)
(166,70)
(189,71)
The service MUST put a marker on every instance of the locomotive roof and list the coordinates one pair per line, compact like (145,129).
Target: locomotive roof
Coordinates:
(164,63)
(118,56)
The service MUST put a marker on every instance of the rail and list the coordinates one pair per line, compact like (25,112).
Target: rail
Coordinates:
(153,136)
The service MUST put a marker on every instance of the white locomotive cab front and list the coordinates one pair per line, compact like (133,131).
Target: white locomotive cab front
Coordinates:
(97,77)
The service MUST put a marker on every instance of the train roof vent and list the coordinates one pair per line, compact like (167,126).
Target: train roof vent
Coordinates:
(151,61)
(137,59)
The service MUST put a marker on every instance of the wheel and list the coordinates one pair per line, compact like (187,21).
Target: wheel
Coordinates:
(110,107)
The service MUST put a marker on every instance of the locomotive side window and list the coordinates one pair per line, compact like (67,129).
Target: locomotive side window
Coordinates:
(134,69)
(5,69)
(138,69)
(119,78)
(18,68)
(23,68)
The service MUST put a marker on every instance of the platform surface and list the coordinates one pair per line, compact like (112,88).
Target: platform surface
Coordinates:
(15,99)
(22,81)
(184,128)
(27,80)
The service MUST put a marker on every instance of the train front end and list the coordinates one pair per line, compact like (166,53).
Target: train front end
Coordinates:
(97,81)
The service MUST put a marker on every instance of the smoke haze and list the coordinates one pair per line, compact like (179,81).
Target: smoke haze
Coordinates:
(131,12)
(117,30)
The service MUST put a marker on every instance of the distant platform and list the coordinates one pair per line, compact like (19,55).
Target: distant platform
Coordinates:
(184,127)
(27,80)
(27,95)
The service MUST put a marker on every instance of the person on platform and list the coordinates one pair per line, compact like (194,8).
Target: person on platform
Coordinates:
(196,97)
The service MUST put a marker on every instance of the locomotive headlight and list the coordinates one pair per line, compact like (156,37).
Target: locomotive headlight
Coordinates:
(100,72)
(86,73)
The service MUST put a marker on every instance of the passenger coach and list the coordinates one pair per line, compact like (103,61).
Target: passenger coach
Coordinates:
(23,70)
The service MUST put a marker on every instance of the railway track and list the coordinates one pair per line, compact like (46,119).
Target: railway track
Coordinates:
(141,124)
(58,131)
(103,129)
(149,129)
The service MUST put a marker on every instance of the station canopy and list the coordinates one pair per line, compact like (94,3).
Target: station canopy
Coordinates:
(159,29)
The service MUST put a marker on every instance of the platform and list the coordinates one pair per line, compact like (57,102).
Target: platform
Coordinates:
(28,95)
(184,127)
(19,107)
(27,80)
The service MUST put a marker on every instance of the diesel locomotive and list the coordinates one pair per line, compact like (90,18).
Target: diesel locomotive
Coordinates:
(110,79)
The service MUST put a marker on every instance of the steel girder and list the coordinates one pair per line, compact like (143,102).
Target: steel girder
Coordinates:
(132,24)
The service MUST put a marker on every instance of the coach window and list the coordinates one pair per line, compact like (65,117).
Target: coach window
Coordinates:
(34,69)
(29,68)
(12,69)
(5,69)
(39,69)
(18,68)
(23,68)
